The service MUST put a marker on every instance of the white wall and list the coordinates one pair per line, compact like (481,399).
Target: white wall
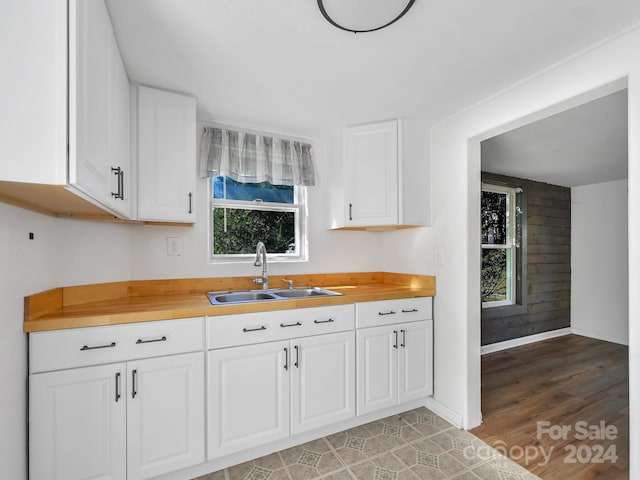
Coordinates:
(600,261)
(455,150)
(26,266)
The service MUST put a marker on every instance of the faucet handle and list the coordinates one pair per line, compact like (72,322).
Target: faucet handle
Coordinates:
(289,282)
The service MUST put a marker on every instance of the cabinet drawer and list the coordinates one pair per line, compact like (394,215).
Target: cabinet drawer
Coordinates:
(388,312)
(244,329)
(80,347)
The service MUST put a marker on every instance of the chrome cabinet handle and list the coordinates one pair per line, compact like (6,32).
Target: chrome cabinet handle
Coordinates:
(413,310)
(118,386)
(404,339)
(286,358)
(297,324)
(297,364)
(331,320)
(134,383)
(190,202)
(140,341)
(390,312)
(245,330)
(97,347)
(395,345)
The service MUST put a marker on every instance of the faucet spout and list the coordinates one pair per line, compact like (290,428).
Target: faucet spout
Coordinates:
(261,250)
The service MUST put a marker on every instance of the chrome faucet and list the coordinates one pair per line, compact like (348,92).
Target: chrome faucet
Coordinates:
(264,280)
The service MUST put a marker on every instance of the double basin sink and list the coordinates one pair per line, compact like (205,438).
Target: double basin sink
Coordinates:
(252,296)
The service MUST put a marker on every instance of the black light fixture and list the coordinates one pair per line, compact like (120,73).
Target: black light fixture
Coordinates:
(361,16)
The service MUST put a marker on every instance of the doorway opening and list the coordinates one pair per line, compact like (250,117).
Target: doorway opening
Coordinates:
(554,224)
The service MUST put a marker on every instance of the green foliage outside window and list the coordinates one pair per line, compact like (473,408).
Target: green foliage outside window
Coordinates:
(245,228)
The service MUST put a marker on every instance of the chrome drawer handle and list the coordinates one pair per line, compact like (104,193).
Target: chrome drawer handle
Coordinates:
(331,320)
(413,310)
(245,330)
(297,324)
(390,312)
(139,341)
(87,347)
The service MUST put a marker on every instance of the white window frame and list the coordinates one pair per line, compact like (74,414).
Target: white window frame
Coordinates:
(299,208)
(509,246)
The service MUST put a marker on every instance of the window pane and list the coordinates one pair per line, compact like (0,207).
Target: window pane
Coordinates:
(494,218)
(252,191)
(245,228)
(494,275)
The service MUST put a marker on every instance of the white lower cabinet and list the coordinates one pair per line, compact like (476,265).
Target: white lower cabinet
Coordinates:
(77,424)
(415,360)
(322,381)
(165,414)
(266,392)
(127,419)
(248,397)
(394,364)
(128,402)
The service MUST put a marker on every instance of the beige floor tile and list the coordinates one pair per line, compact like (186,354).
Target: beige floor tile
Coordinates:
(416,445)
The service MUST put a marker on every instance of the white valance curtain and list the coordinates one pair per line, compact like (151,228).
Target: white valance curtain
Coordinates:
(252,158)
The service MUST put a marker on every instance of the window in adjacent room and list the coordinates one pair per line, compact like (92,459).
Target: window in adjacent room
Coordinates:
(501,232)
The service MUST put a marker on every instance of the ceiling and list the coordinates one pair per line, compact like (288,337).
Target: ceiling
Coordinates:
(581,146)
(279,64)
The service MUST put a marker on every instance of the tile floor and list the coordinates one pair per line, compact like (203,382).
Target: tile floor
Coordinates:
(414,445)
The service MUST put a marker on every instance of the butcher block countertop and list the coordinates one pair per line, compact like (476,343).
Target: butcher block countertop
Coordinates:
(149,300)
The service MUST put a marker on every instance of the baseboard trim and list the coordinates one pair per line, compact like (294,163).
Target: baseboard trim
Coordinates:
(598,336)
(446,413)
(516,342)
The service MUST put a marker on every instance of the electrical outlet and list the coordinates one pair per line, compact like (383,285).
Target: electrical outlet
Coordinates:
(174,246)
(439,256)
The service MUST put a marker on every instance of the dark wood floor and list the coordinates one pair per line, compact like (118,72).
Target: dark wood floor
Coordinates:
(562,381)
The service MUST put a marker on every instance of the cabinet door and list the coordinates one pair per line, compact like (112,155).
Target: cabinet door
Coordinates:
(33,123)
(166,156)
(415,369)
(77,424)
(322,380)
(165,416)
(98,104)
(371,156)
(377,368)
(119,143)
(248,395)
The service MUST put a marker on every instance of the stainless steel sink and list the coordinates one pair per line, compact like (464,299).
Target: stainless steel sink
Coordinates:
(301,292)
(252,296)
(223,298)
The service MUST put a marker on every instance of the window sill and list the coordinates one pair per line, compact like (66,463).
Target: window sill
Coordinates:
(222,259)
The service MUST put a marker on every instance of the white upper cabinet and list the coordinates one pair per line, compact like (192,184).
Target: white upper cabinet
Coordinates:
(379,177)
(166,156)
(33,124)
(64,91)
(99,159)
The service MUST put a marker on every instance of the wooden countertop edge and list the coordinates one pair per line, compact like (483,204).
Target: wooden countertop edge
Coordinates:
(45,311)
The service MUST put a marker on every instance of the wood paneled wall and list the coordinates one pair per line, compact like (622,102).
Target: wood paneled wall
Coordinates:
(547,249)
